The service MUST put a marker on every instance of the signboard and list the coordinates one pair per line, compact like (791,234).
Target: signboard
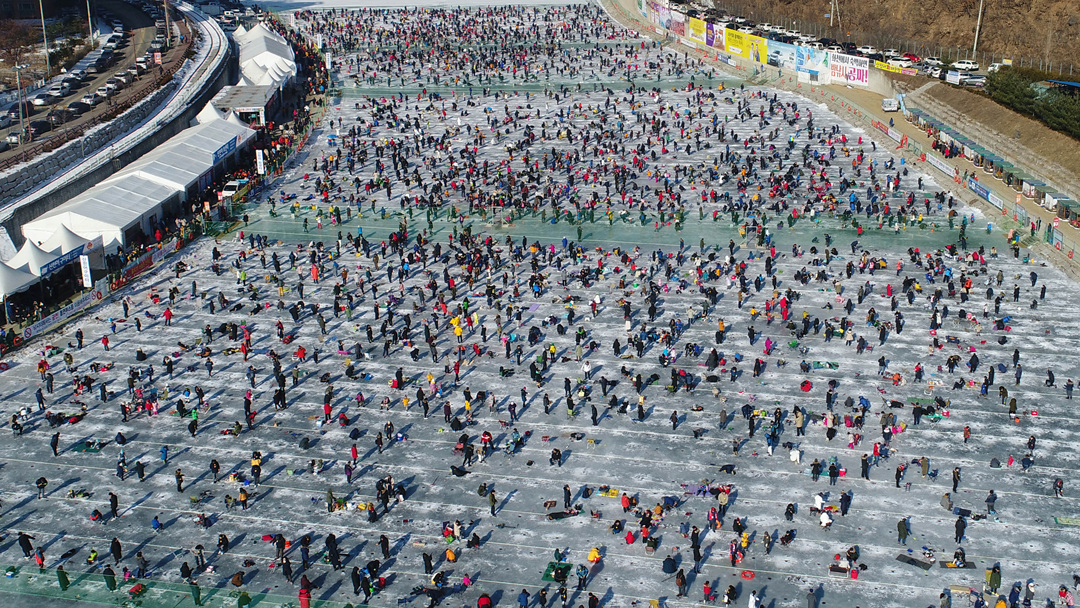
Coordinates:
(952,77)
(934,160)
(678,23)
(782,55)
(82,303)
(226,149)
(735,42)
(984,193)
(696,30)
(84,262)
(849,69)
(260,162)
(811,61)
(663,17)
(157,58)
(70,256)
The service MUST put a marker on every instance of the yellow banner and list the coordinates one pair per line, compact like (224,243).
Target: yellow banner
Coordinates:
(696,30)
(735,42)
(888,67)
(759,48)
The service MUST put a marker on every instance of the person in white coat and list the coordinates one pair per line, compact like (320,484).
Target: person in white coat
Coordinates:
(754,601)
(826,520)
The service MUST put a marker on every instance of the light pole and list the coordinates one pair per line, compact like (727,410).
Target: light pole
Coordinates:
(90,24)
(19,98)
(978,24)
(45,37)
(168,28)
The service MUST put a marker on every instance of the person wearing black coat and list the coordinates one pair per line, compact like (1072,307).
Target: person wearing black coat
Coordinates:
(355,576)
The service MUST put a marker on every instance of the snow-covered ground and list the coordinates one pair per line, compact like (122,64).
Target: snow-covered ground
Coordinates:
(645,458)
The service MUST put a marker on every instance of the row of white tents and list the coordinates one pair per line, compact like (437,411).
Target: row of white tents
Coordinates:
(133,200)
(266,58)
(129,202)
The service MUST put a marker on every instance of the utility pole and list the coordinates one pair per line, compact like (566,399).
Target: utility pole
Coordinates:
(45,37)
(978,24)
(168,30)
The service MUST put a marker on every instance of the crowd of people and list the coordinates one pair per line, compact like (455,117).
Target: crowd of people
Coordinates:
(512,341)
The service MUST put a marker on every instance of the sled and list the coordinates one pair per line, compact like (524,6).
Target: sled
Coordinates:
(1067,521)
(89,447)
(967,565)
(907,559)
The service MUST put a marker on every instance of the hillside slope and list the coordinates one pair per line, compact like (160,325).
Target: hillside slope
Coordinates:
(1034,29)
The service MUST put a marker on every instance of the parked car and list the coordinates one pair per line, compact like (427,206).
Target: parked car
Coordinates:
(966,65)
(900,62)
(890,53)
(4,146)
(13,110)
(994,67)
(59,116)
(867,50)
(974,80)
(42,99)
(91,99)
(39,127)
(835,49)
(934,61)
(912,57)
(78,107)
(5,121)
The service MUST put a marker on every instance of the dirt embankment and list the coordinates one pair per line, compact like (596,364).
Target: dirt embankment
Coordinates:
(1033,29)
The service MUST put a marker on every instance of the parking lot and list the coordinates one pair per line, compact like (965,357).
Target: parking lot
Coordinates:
(970,72)
(86,94)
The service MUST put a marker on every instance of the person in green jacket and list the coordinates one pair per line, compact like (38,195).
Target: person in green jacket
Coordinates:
(62,578)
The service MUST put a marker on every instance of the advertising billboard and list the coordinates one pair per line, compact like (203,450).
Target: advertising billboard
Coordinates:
(850,69)
(782,55)
(696,30)
(735,42)
(678,23)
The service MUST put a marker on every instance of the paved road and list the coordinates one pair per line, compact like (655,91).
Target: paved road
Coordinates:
(142,31)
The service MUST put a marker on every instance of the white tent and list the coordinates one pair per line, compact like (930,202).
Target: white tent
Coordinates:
(136,194)
(14,281)
(107,210)
(31,258)
(266,58)
(65,241)
(187,156)
(208,114)
(233,119)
